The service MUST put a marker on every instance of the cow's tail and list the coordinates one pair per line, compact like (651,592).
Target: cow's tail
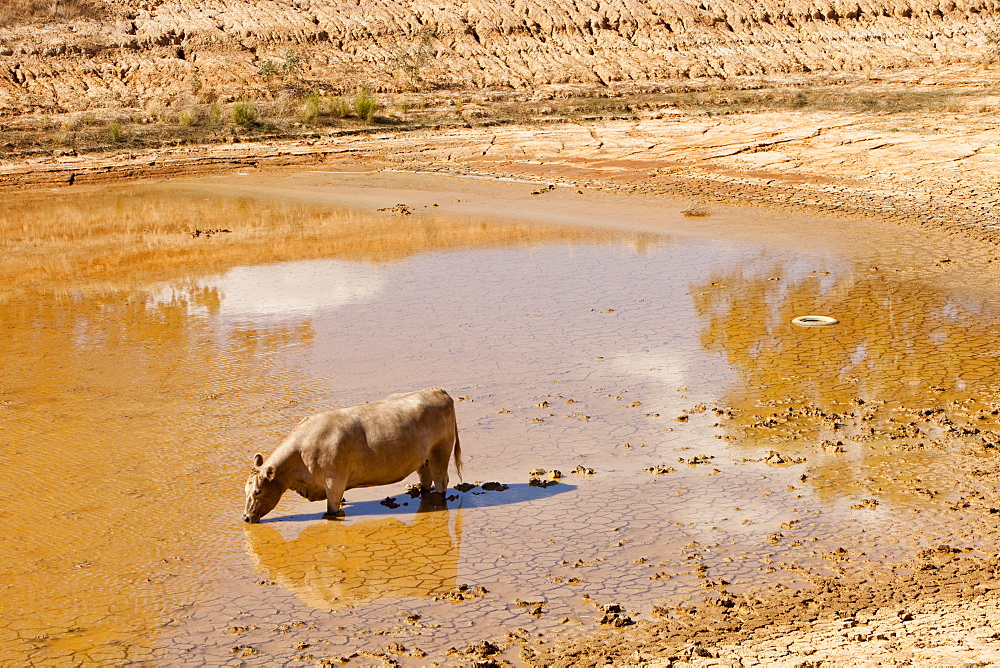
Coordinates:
(458,452)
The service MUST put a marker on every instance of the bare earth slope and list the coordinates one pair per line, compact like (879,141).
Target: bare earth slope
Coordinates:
(134,53)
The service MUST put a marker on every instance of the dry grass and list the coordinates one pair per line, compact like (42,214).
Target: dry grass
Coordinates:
(26,12)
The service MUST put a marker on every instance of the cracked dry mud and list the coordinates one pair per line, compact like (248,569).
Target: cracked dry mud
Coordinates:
(184,355)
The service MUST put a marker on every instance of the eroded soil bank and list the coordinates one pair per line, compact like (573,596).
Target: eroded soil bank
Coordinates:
(729,487)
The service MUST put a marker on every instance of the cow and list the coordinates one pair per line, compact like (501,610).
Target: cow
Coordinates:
(378,443)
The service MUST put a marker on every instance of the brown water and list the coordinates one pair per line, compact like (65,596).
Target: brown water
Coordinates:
(143,366)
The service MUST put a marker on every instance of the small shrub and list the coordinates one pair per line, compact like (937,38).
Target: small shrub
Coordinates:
(88,119)
(292,64)
(215,113)
(69,124)
(196,84)
(244,114)
(800,100)
(115,132)
(188,117)
(267,68)
(338,107)
(309,113)
(136,117)
(365,105)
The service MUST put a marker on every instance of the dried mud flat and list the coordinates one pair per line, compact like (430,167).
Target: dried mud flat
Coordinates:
(909,441)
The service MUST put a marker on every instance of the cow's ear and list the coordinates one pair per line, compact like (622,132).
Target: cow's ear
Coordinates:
(269,473)
(258,459)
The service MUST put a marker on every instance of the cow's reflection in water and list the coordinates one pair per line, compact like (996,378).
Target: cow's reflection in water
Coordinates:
(333,565)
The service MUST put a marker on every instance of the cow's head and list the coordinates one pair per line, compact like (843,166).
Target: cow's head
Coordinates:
(263,491)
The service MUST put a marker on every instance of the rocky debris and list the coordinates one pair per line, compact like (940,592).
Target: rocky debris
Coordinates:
(462,593)
(660,469)
(697,459)
(582,470)
(866,504)
(538,482)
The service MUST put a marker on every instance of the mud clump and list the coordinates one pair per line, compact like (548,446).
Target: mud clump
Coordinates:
(533,608)
(775,457)
(465,487)
(615,616)
(389,502)
(462,593)
(582,470)
(399,209)
(697,459)
(485,654)
(660,469)
(494,487)
(209,233)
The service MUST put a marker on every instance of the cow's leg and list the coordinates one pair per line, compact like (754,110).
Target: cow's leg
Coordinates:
(426,479)
(438,465)
(335,487)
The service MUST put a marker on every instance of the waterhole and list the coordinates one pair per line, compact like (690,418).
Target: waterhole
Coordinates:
(703,441)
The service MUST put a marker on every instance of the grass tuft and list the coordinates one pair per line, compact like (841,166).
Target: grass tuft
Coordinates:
(365,105)
(244,114)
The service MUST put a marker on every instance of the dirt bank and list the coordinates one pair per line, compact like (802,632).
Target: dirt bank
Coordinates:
(170,53)
(921,147)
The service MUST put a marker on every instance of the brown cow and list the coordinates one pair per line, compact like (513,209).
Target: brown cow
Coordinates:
(359,446)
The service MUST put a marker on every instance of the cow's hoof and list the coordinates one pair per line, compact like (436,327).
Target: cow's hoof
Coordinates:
(333,516)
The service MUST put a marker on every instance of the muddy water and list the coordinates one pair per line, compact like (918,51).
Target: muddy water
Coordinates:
(155,337)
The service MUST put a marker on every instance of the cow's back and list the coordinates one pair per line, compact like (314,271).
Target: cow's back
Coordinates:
(380,442)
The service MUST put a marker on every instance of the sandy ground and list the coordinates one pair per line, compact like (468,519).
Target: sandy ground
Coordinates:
(934,171)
